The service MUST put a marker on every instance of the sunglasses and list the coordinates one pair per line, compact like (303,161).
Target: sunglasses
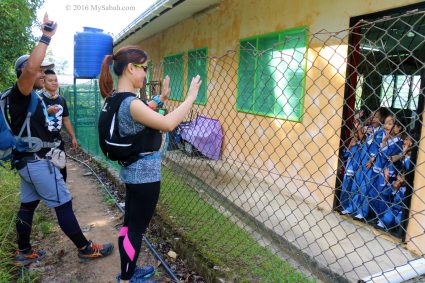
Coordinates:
(145,68)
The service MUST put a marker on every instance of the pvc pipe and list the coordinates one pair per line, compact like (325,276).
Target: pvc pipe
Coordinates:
(401,273)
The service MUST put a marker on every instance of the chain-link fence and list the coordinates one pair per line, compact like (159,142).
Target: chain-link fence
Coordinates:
(301,148)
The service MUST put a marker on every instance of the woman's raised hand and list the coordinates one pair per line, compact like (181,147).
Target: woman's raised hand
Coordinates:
(194,88)
(166,90)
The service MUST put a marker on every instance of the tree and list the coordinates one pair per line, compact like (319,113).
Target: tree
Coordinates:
(61,65)
(17,18)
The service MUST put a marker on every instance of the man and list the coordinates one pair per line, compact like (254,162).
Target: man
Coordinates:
(58,110)
(40,180)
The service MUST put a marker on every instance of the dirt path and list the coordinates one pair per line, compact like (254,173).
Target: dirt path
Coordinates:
(99,222)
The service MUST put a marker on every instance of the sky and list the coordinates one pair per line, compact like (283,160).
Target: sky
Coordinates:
(72,15)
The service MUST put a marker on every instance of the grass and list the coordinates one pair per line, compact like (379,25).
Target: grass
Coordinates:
(108,199)
(218,238)
(9,199)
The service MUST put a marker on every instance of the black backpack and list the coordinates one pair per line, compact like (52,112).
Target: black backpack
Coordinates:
(125,150)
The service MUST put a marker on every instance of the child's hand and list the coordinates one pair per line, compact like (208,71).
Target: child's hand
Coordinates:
(368,165)
(387,174)
(395,158)
(194,88)
(53,109)
(74,143)
(369,130)
(370,162)
(353,142)
(385,139)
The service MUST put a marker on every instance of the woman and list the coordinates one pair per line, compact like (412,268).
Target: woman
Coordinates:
(142,178)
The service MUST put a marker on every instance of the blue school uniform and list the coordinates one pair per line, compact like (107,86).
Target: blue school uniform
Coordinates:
(352,155)
(364,177)
(377,197)
(393,147)
(405,163)
(394,212)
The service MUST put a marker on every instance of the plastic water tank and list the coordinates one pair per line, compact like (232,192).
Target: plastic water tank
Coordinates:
(90,48)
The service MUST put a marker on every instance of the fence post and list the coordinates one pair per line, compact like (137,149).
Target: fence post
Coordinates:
(75,107)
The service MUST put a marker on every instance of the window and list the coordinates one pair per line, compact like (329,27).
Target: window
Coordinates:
(271,74)
(173,66)
(400,91)
(197,64)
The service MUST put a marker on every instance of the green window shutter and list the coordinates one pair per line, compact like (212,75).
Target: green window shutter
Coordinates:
(271,74)
(247,61)
(197,64)
(173,67)
(264,96)
(291,78)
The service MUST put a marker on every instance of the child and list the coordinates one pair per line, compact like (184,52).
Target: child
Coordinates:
(391,145)
(363,177)
(404,157)
(58,111)
(352,154)
(392,215)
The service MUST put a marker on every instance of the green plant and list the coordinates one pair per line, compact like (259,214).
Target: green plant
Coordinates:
(27,276)
(45,227)
(16,39)
(9,199)
(231,248)
(109,200)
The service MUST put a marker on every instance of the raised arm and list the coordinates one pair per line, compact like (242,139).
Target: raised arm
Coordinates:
(144,115)
(30,71)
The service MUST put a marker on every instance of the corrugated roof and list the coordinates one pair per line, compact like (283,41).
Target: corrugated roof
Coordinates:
(160,16)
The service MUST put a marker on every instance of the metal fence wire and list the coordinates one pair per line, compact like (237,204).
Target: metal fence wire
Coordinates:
(305,148)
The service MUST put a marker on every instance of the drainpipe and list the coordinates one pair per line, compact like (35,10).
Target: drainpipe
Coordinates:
(401,273)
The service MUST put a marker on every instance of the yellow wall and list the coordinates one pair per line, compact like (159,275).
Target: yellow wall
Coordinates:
(288,156)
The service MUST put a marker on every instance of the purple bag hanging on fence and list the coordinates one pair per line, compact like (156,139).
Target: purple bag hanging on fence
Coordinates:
(205,135)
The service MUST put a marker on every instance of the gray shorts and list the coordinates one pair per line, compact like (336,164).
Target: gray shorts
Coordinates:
(39,181)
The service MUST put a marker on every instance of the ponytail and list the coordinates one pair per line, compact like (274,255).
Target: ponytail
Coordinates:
(106,83)
(124,56)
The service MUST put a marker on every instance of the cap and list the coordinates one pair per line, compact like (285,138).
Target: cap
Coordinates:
(21,61)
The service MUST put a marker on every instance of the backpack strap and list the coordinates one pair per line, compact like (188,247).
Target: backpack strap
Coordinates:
(43,104)
(3,103)
(30,111)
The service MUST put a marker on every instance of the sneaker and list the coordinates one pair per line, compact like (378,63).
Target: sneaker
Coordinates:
(359,216)
(145,271)
(380,224)
(344,212)
(94,251)
(140,273)
(26,258)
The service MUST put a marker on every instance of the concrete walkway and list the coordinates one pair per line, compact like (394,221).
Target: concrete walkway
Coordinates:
(333,247)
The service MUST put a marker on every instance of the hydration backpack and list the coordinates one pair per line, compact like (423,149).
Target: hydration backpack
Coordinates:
(10,143)
(7,140)
(125,150)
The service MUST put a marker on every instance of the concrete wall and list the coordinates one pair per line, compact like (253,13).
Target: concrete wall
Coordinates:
(289,158)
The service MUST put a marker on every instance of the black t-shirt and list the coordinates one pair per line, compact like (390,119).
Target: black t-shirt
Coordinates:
(18,105)
(54,125)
